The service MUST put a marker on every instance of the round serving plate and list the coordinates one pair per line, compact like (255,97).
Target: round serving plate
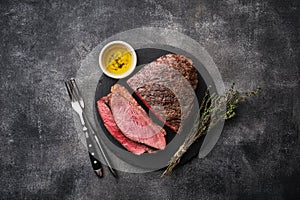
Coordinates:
(149,43)
(160,158)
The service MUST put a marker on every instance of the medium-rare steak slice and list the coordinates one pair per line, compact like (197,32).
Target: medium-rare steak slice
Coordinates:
(114,130)
(133,121)
(167,86)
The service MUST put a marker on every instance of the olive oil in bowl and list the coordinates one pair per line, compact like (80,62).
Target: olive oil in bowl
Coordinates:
(117,59)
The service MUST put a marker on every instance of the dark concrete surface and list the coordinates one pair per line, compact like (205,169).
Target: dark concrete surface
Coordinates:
(254,43)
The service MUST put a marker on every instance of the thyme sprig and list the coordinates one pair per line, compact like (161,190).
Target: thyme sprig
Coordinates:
(211,112)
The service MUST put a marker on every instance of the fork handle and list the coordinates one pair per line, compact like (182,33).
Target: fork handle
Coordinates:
(104,155)
(96,164)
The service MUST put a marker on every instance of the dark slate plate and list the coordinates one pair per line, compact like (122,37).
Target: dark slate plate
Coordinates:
(159,159)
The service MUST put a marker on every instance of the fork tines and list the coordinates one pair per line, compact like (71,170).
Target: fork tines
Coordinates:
(69,89)
(73,90)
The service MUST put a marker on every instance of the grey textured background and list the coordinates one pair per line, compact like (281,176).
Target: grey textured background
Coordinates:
(252,42)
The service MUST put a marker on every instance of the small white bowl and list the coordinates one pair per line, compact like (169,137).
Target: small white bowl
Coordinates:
(115,45)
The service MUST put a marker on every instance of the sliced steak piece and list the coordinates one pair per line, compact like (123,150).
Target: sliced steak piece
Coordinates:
(114,130)
(167,86)
(133,121)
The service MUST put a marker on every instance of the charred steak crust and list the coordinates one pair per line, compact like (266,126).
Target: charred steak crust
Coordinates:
(160,84)
(183,65)
(133,121)
(161,99)
(114,130)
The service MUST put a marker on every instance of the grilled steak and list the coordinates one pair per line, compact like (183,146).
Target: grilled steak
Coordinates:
(183,65)
(162,102)
(167,87)
(114,130)
(133,121)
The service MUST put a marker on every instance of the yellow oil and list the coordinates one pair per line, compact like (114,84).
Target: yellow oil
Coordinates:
(118,60)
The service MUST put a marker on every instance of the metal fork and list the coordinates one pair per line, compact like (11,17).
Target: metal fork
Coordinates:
(78,105)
